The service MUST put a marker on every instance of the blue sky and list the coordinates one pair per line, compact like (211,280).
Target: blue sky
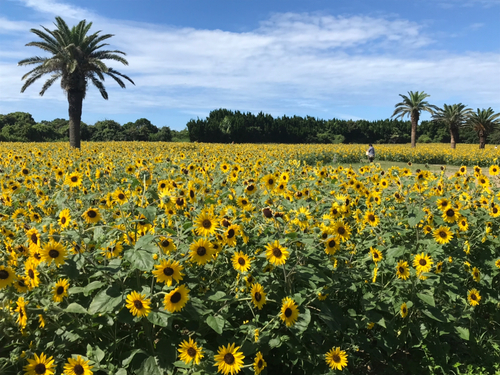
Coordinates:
(324,58)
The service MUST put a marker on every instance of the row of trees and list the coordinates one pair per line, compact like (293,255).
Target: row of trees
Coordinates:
(21,127)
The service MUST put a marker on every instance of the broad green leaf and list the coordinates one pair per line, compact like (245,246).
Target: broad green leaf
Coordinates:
(217,296)
(131,356)
(76,308)
(427,298)
(105,301)
(216,323)
(121,371)
(159,318)
(150,367)
(274,343)
(145,242)
(303,322)
(98,354)
(92,286)
(140,259)
(463,332)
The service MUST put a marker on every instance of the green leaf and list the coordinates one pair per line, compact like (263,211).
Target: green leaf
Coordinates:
(105,301)
(149,212)
(216,323)
(303,323)
(217,296)
(145,243)
(131,356)
(92,286)
(76,308)
(150,367)
(427,298)
(274,343)
(140,259)
(159,318)
(98,354)
(121,371)
(395,252)
(463,333)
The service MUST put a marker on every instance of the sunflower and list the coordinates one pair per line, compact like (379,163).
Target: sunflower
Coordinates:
(463,225)
(332,245)
(336,359)
(439,267)
(404,310)
(259,364)
(473,297)
(176,299)
(476,274)
(494,170)
(494,210)
(53,251)
(276,254)
(241,262)
(230,235)
(228,359)
(168,270)
(450,215)
(60,290)
(113,250)
(289,311)
(167,245)
(269,181)
(7,276)
(250,189)
(205,224)
(201,251)
(78,366)
(443,204)
(189,351)
(34,239)
(138,304)
(442,235)
(376,255)
(120,196)
(91,216)
(21,284)
(258,295)
(22,317)
(32,273)
(371,218)
(342,230)
(422,263)
(497,263)
(42,365)
(64,218)
(73,179)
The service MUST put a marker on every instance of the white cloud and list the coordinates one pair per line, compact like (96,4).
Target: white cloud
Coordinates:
(291,61)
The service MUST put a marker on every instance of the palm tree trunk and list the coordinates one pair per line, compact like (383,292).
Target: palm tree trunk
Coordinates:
(482,139)
(414,123)
(454,137)
(75,101)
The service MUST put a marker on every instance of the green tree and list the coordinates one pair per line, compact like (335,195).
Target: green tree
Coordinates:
(483,122)
(453,116)
(411,106)
(76,58)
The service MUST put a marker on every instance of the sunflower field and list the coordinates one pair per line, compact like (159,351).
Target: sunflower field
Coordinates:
(170,258)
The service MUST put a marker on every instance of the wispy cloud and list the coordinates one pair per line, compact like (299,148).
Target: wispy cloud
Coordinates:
(301,62)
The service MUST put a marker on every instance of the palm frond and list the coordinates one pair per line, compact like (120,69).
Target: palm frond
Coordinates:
(49,82)
(100,86)
(32,60)
(112,71)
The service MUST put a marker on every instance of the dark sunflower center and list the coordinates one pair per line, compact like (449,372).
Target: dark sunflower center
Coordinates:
(495,210)
(4,274)
(335,211)
(260,363)
(53,253)
(442,234)
(31,274)
(332,243)
(450,213)
(267,212)
(191,352)
(241,261)
(336,358)
(375,255)
(225,223)
(92,214)
(21,283)
(138,304)
(201,251)
(168,271)
(288,312)
(371,217)
(34,238)
(250,187)
(60,290)
(229,358)
(40,369)
(176,297)
(165,243)
(74,179)
(63,220)
(473,297)
(277,252)
(207,224)
(422,262)
(78,370)
(191,194)
(179,201)
(121,196)
(404,310)
(257,296)
(401,270)
(230,233)
(341,230)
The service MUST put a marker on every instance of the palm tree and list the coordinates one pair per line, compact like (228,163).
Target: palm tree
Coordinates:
(76,59)
(411,106)
(453,116)
(483,122)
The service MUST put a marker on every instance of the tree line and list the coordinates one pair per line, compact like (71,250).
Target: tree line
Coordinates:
(21,127)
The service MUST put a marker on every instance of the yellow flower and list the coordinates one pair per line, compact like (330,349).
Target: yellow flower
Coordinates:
(336,359)
(473,297)
(42,365)
(78,366)
(402,270)
(228,359)
(60,290)
(176,299)
(422,263)
(168,270)
(289,311)
(259,364)
(241,262)
(258,295)
(404,310)
(276,254)
(201,251)
(138,304)
(54,251)
(7,276)
(189,351)
(442,235)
